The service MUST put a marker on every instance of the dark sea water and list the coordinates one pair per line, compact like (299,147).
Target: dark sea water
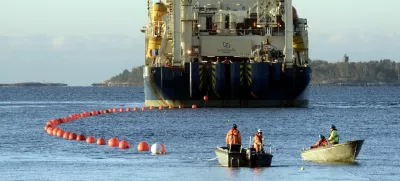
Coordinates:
(27,152)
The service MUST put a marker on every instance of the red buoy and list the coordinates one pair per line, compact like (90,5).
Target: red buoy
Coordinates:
(205,98)
(60,133)
(143,108)
(171,107)
(55,131)
(136,109)
(124,144)
(151,107)
(90,139)
(47,126)
(113,142)
(50,130)
(81,137)
(143,146)
(194,106)
(128,109)
(101,141)
(72,136)
(121,110)
(115,110)
(163,151)
(180,106)
(161,107)
(66,135)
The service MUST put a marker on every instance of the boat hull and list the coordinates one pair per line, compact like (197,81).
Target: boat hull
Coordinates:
(244,158)
(227,85)
(344,152)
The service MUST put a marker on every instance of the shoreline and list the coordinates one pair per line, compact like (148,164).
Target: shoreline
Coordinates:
(33,84)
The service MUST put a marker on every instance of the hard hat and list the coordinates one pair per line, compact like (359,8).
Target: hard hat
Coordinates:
(234,125)
(259,131)
(333,126)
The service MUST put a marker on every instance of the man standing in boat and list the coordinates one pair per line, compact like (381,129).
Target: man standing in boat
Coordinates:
(258,141)
(333,136)
(233,137)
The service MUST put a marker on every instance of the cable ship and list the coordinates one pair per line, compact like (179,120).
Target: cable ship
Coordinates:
(227,53)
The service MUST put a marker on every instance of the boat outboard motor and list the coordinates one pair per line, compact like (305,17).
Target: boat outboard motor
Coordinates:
(252,157)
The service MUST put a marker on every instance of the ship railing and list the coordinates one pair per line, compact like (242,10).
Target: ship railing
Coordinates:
(237,32)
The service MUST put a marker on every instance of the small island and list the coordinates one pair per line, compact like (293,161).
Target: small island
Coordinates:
(341,73)
(32,84)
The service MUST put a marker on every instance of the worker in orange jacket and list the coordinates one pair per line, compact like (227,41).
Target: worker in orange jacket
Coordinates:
(258,142)
(233,136)
(321,142)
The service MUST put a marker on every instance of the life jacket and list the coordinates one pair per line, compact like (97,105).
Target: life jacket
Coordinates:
(320,142)
(233,137)
(333,137)
(257,142)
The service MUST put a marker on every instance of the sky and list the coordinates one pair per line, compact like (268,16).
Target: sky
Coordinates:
(80,42)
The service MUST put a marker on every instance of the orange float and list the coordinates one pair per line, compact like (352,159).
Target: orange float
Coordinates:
(128,109)
(180,106)
(151,107)
(55,131)
(171,107)
(194,106)
(124,144)
(90,139)
(143,146)
(72,136)
(60,133)
(115,110)
(143,108)
(47,126)
(113,142)
(49,130)
(161,107)
(136,109)
(110,110)
(121,110)
(66,135)
(163,150)
(205,98)
(101,141)
(81,137)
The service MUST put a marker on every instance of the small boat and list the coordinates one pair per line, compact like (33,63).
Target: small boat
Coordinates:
(236,156)
(343,152)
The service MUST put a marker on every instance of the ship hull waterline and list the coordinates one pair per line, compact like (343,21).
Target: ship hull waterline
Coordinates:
(233,85)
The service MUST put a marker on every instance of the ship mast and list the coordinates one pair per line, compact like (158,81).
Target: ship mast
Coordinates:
(177,32)
(288,34)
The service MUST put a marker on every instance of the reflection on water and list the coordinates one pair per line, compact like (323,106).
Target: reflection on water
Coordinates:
(232,172)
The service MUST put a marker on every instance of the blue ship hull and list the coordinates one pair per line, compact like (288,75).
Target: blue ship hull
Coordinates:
(227,85)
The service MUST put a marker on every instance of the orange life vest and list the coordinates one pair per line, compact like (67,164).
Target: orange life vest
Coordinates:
(257,142)
(233,137)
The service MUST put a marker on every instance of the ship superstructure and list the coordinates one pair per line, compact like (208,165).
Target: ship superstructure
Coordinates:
(238,53)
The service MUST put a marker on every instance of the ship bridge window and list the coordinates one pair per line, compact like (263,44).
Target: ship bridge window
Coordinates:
(209,23)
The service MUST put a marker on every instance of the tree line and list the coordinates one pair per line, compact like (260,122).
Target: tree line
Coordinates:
(323,72)
(373,71)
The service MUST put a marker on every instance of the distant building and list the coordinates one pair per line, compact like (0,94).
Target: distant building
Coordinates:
(345,59)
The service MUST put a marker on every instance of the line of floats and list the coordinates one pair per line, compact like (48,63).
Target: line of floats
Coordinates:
(52,129)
